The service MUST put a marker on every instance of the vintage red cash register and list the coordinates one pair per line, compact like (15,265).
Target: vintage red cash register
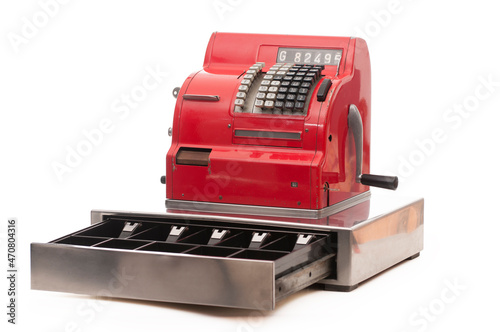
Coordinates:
(267,187)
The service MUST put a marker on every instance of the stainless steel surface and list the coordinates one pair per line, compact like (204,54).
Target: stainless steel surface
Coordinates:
(153,276)
(304,277)
(200,97)
(304,239)
(267,211)
(369,237)
(378,243)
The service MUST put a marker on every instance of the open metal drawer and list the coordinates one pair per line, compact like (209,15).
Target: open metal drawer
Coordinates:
(177,259)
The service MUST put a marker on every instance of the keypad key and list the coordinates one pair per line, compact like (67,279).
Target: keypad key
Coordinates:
(273,89)
(252,71)
(268,77)
(289,105)
(301,73)
(305,85)
(263,88)
(271,96)
(265,82)
(261,95)
(308,79)
(279,104)
(295,84)
(293,90)
(282,89)
(285,83)
(280,96)
(303,91)
(293,69)
(239,102)
(241,95)
(278,77)
(320,67)
(291,97)
(243,88)
(246,82)
(298,78)
(259,103)
(301,98)
(287,78)
(275,83)
(281,72)
(268,104)
(304,70)
(249,77)
(271,72)
(299,106)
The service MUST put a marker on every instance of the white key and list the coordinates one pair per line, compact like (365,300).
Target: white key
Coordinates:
(268,77)
(261,95)
(249,77)
(241,95)
(243,88)
(269,104)
(271,96)
(239,102)
(246,82)
(271,72)
(265,82)
(262,88)
(275,83)
(273,89)
(259,103)
(281,72)
(251,71)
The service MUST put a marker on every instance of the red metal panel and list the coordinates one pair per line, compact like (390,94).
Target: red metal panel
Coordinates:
(278,172)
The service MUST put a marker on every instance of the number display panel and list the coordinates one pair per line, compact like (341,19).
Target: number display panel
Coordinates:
(315,56)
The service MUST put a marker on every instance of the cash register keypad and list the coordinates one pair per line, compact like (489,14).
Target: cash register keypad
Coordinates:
(284,89)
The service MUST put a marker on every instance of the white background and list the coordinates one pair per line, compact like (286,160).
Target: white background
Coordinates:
(427,58)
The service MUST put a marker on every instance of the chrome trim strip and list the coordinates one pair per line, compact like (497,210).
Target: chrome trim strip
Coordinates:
(266,134)
(266,210)
(201,97)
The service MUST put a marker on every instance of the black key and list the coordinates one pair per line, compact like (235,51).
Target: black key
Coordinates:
(321,67)
(301,98)
(279,104)
(303,91)
(278,77)
(296,83)
(299,105)
(285,83)
(287,78)
(298,78)
(305,85)
(304,69)
(308,66)
(293,69)
(293,90)
(290,97)
(289,105)
(323,89)
(280,96)
(308,79)
(301,73)
(282,89)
